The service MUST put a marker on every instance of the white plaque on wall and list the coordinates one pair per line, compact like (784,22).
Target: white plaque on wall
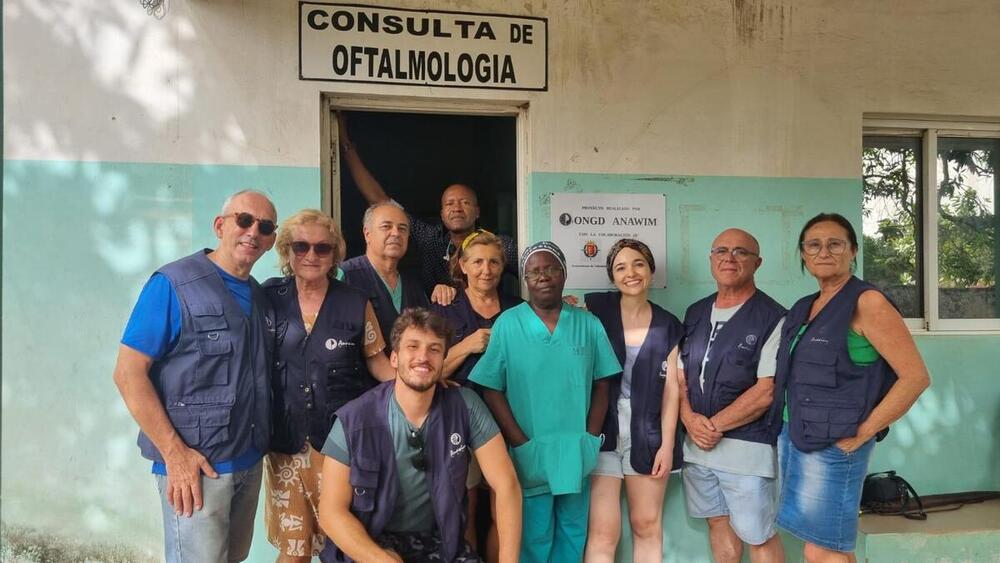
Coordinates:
(586,225)
(375,44)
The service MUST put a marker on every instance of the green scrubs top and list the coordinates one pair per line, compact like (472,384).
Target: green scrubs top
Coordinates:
(547,379)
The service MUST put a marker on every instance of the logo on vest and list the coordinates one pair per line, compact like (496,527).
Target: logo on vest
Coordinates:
(819,340)
(663,370)
(750,340)
(456,440)
(333,343)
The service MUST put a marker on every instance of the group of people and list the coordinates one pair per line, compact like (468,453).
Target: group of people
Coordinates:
(384,412)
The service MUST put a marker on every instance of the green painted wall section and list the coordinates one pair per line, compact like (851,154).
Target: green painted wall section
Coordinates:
(79,241)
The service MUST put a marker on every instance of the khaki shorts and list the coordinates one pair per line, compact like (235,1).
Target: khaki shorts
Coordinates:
(291,511)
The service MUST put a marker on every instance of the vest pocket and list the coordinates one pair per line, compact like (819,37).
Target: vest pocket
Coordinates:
(213,361)
(365,484)
(201,425)
(830,422)
(819,371)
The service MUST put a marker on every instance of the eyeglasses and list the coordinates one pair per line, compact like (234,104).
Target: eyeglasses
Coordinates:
(301,248)
(547,272)
(245,220)
(738,253)
(834,246)
(415,440)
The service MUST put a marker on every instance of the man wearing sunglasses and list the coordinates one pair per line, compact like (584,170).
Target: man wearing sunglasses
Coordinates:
(193,371)
(394,478)
(726,369)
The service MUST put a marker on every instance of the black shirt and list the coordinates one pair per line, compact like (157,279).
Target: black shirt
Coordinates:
(434,245)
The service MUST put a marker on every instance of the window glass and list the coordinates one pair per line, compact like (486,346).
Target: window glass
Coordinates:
(967,228)
(892,220)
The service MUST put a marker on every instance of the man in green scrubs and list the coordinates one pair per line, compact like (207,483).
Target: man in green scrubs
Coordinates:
(544,371)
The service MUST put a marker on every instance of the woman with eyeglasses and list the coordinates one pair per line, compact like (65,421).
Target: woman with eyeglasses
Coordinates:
(477,267)
(327,351)
(847,368)
(640,427)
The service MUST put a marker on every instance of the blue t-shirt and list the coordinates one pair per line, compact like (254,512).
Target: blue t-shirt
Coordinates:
(155,325)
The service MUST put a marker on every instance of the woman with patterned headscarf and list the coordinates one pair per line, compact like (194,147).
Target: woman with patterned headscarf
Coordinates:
(545,376)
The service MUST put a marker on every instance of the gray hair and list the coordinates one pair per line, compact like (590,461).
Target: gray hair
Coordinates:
(229,200)
(367,220)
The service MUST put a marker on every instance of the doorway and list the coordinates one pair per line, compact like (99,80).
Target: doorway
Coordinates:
(414,156)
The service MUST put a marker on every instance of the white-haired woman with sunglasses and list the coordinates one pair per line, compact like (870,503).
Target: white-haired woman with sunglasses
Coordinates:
(327,351)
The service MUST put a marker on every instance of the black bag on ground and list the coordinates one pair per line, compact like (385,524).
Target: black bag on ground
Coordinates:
(889,494)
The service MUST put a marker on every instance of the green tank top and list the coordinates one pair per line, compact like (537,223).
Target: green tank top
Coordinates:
(860,350)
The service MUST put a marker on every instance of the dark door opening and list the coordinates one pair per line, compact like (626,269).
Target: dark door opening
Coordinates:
(415,156)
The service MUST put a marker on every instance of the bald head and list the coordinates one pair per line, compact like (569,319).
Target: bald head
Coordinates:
(739,237)
(734,259)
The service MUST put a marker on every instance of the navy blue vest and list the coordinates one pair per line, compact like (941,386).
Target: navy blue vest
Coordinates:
(359,273)
(828,394)
(732,365)
(648,377)
(315,374)
(214,381)
(464,321)
(373,463)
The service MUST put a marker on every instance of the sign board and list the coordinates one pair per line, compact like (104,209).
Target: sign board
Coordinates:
(586,225)
(373,44)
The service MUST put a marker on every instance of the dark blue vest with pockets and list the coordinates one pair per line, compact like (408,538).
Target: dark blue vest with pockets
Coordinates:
(214,381)
(648,378)
(464,321)
(373,464)
(732,364)
(315,374)
(359,273)
(828,394)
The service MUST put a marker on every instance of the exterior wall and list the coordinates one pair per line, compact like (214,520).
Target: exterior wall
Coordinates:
(124,134)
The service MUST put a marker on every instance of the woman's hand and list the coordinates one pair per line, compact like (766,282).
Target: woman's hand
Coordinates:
(476,342)
(443,294)
(663,461)
(849,445)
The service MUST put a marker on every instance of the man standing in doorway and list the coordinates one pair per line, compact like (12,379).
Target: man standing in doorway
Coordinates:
(727,365)
(387,235)
(437,242)
(193,371)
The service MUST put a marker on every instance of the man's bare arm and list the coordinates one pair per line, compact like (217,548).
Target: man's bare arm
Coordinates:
(498,470)
(369,187)
(184,465)
(336,519)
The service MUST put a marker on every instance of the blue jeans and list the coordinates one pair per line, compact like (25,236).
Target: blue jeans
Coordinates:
(221,531)
(821,492)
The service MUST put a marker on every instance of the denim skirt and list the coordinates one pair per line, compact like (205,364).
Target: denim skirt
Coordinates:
(821,493)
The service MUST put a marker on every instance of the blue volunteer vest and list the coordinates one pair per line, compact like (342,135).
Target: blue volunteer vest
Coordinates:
(828,394)
(315,374)
(359,273)
(648,377)
(214,381)
(732,365)
(464,321)
(373,464)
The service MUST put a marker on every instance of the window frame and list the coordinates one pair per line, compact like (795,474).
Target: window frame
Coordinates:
(928,130)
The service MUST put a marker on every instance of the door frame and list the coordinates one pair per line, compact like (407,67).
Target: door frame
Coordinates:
(329,142)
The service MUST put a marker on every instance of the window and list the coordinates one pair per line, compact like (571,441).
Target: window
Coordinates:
(930,228)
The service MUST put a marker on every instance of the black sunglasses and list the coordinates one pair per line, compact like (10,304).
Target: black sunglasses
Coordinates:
(301,248)
(415,440)
(245,220)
